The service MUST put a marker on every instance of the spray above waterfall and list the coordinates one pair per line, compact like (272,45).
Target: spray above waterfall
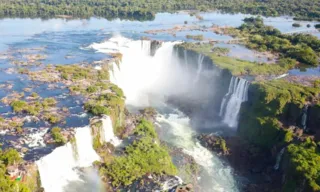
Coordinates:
(231,103)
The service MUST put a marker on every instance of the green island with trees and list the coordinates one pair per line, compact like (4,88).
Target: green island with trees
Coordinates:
(144,156)
(145,10)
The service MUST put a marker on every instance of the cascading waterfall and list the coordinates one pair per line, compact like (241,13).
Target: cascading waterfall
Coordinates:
(231,103)
(108,135)
(200,62)
(143,78)
(227,96)
(146,47)
(279,158)
(186,60)
(58,168)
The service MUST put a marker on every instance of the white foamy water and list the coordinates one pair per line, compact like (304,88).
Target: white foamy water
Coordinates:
(220,176)
(142,76)
(35,138)
(231,103)
(200,62)
(108,135)
(58,168)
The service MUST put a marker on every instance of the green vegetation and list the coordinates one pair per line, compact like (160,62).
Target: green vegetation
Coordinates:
(302,47)
(238,66)
(49,102)
(195,37)
(33,107)
(143,157)
(19,106)
(145,10)
(95,80)
(9,157)
(145,129)
(96,129)
(273,101)
(74,72)
(53,118)
(109,104)
(34,95)
(220,50)
(57,136)
(296,25)
(304,165)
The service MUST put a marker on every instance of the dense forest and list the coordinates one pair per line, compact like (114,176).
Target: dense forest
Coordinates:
(304,48)
(145,9)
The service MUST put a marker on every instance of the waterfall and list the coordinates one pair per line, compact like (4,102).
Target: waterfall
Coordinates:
(279,158)
(58,168)
(146,47)
(185,53)
(107,129)
(231,103)
(226,97)
(144,78)
(200,61)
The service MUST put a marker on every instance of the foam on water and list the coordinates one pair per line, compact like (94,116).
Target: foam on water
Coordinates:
(35,138)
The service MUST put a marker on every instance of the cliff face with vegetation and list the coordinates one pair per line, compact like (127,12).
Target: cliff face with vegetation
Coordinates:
(272,118)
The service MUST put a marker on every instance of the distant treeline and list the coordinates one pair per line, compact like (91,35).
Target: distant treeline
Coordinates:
(146,9)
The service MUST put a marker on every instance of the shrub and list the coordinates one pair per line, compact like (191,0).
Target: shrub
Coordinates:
(117,90)
(34,95)
(92,89)
(65,76)
(49,102)
(10,156)
(296,25)
(57,136)
(19,106)
(195,37)
(146,129)
(52,118)
(96,109)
